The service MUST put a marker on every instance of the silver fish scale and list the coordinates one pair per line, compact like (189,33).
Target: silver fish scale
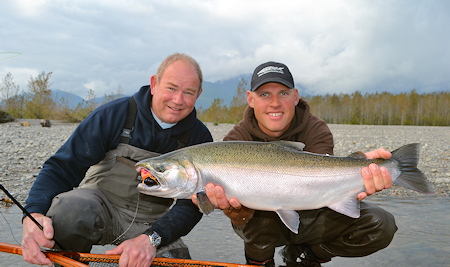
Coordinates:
(276,176)
(254,172)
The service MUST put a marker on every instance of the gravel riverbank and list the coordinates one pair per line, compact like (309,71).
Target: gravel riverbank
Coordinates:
(25,148)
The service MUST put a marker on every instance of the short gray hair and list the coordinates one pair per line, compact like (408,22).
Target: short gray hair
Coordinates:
(175,57)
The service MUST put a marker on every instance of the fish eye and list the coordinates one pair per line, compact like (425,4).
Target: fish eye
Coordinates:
(159,168)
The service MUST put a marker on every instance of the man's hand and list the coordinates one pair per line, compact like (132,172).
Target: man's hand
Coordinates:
(375,178)
(216,195)
(135,252)
(33,238)
(232,208)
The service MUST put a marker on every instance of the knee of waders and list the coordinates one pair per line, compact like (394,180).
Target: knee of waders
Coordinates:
(76,217)
(380,225)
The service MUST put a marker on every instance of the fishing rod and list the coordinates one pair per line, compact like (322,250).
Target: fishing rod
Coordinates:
(77,259)
(27,213)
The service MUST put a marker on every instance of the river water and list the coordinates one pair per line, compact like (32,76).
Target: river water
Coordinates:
(423,237)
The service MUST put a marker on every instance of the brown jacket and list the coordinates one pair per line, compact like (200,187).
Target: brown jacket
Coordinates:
(262,233)
(305,128)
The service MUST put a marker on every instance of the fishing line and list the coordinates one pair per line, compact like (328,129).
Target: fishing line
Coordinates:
(14,54)
(10,228)
(132,221)
(27,213)
(42,228)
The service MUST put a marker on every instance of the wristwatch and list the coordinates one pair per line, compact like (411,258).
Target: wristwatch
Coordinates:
(155,239)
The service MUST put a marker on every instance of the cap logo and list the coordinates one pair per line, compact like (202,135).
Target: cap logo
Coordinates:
(270,69)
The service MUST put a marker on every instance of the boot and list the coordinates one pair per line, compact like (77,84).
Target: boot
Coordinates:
(266,263)
(299,255)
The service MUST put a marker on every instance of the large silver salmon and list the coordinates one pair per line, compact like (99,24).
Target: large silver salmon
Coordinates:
(274,176)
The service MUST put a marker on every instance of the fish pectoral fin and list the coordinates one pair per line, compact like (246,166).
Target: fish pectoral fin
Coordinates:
(204,204)
(290,218)
(348,206)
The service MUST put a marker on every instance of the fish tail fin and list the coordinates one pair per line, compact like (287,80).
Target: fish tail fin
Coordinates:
(410,176)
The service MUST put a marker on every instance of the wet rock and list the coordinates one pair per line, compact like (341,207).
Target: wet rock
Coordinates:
(46,123)
(5,117)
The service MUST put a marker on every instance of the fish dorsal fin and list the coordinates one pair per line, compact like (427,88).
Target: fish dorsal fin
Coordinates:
(348,206)
(290,218)
(357,155)
(203,203)
(290,144)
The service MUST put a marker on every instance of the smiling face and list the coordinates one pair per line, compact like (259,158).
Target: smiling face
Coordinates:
(175,93)
(274,107)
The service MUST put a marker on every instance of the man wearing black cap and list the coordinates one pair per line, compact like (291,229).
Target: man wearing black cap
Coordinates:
(276,112)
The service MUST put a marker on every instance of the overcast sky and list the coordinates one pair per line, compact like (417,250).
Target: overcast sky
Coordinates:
(329,46)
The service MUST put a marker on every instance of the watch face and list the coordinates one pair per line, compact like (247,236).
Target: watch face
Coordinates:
(155,239)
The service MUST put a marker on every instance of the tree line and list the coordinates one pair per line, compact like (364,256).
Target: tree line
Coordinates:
(430,109)
(38,103)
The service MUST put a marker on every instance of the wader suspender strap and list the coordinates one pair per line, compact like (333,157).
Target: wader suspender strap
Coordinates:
(184,140)
(129,122)
(129,125)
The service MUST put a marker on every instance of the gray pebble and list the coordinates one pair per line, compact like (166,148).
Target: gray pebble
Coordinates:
(25,148)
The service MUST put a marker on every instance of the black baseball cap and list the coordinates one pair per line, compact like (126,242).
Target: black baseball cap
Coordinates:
(271,72)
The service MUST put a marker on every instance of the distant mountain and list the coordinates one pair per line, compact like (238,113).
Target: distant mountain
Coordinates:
(224,90)
(102,99)
(72,100)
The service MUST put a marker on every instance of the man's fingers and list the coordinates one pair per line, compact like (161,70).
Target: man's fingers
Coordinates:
(376,177)
(387,179)
(48,227)
(32,253)
(361,196)
(222,201)
(368,181)
(378,153)
(194,199)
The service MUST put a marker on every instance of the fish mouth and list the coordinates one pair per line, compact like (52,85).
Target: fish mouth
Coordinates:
(147,177)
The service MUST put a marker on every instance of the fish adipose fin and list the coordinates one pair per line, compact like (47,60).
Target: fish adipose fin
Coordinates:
(204,204)
(290,218)
(410,176)
(348,206)
(357,155)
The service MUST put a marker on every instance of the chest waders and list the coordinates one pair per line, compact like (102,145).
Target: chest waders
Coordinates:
(116,178)
(112,183)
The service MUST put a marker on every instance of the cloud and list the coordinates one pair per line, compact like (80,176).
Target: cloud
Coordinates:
(330,46)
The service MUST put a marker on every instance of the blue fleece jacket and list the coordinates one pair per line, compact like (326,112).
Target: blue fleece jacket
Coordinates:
(99,133)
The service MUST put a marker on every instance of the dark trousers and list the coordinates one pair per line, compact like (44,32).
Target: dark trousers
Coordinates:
(84,217)
(328,233)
